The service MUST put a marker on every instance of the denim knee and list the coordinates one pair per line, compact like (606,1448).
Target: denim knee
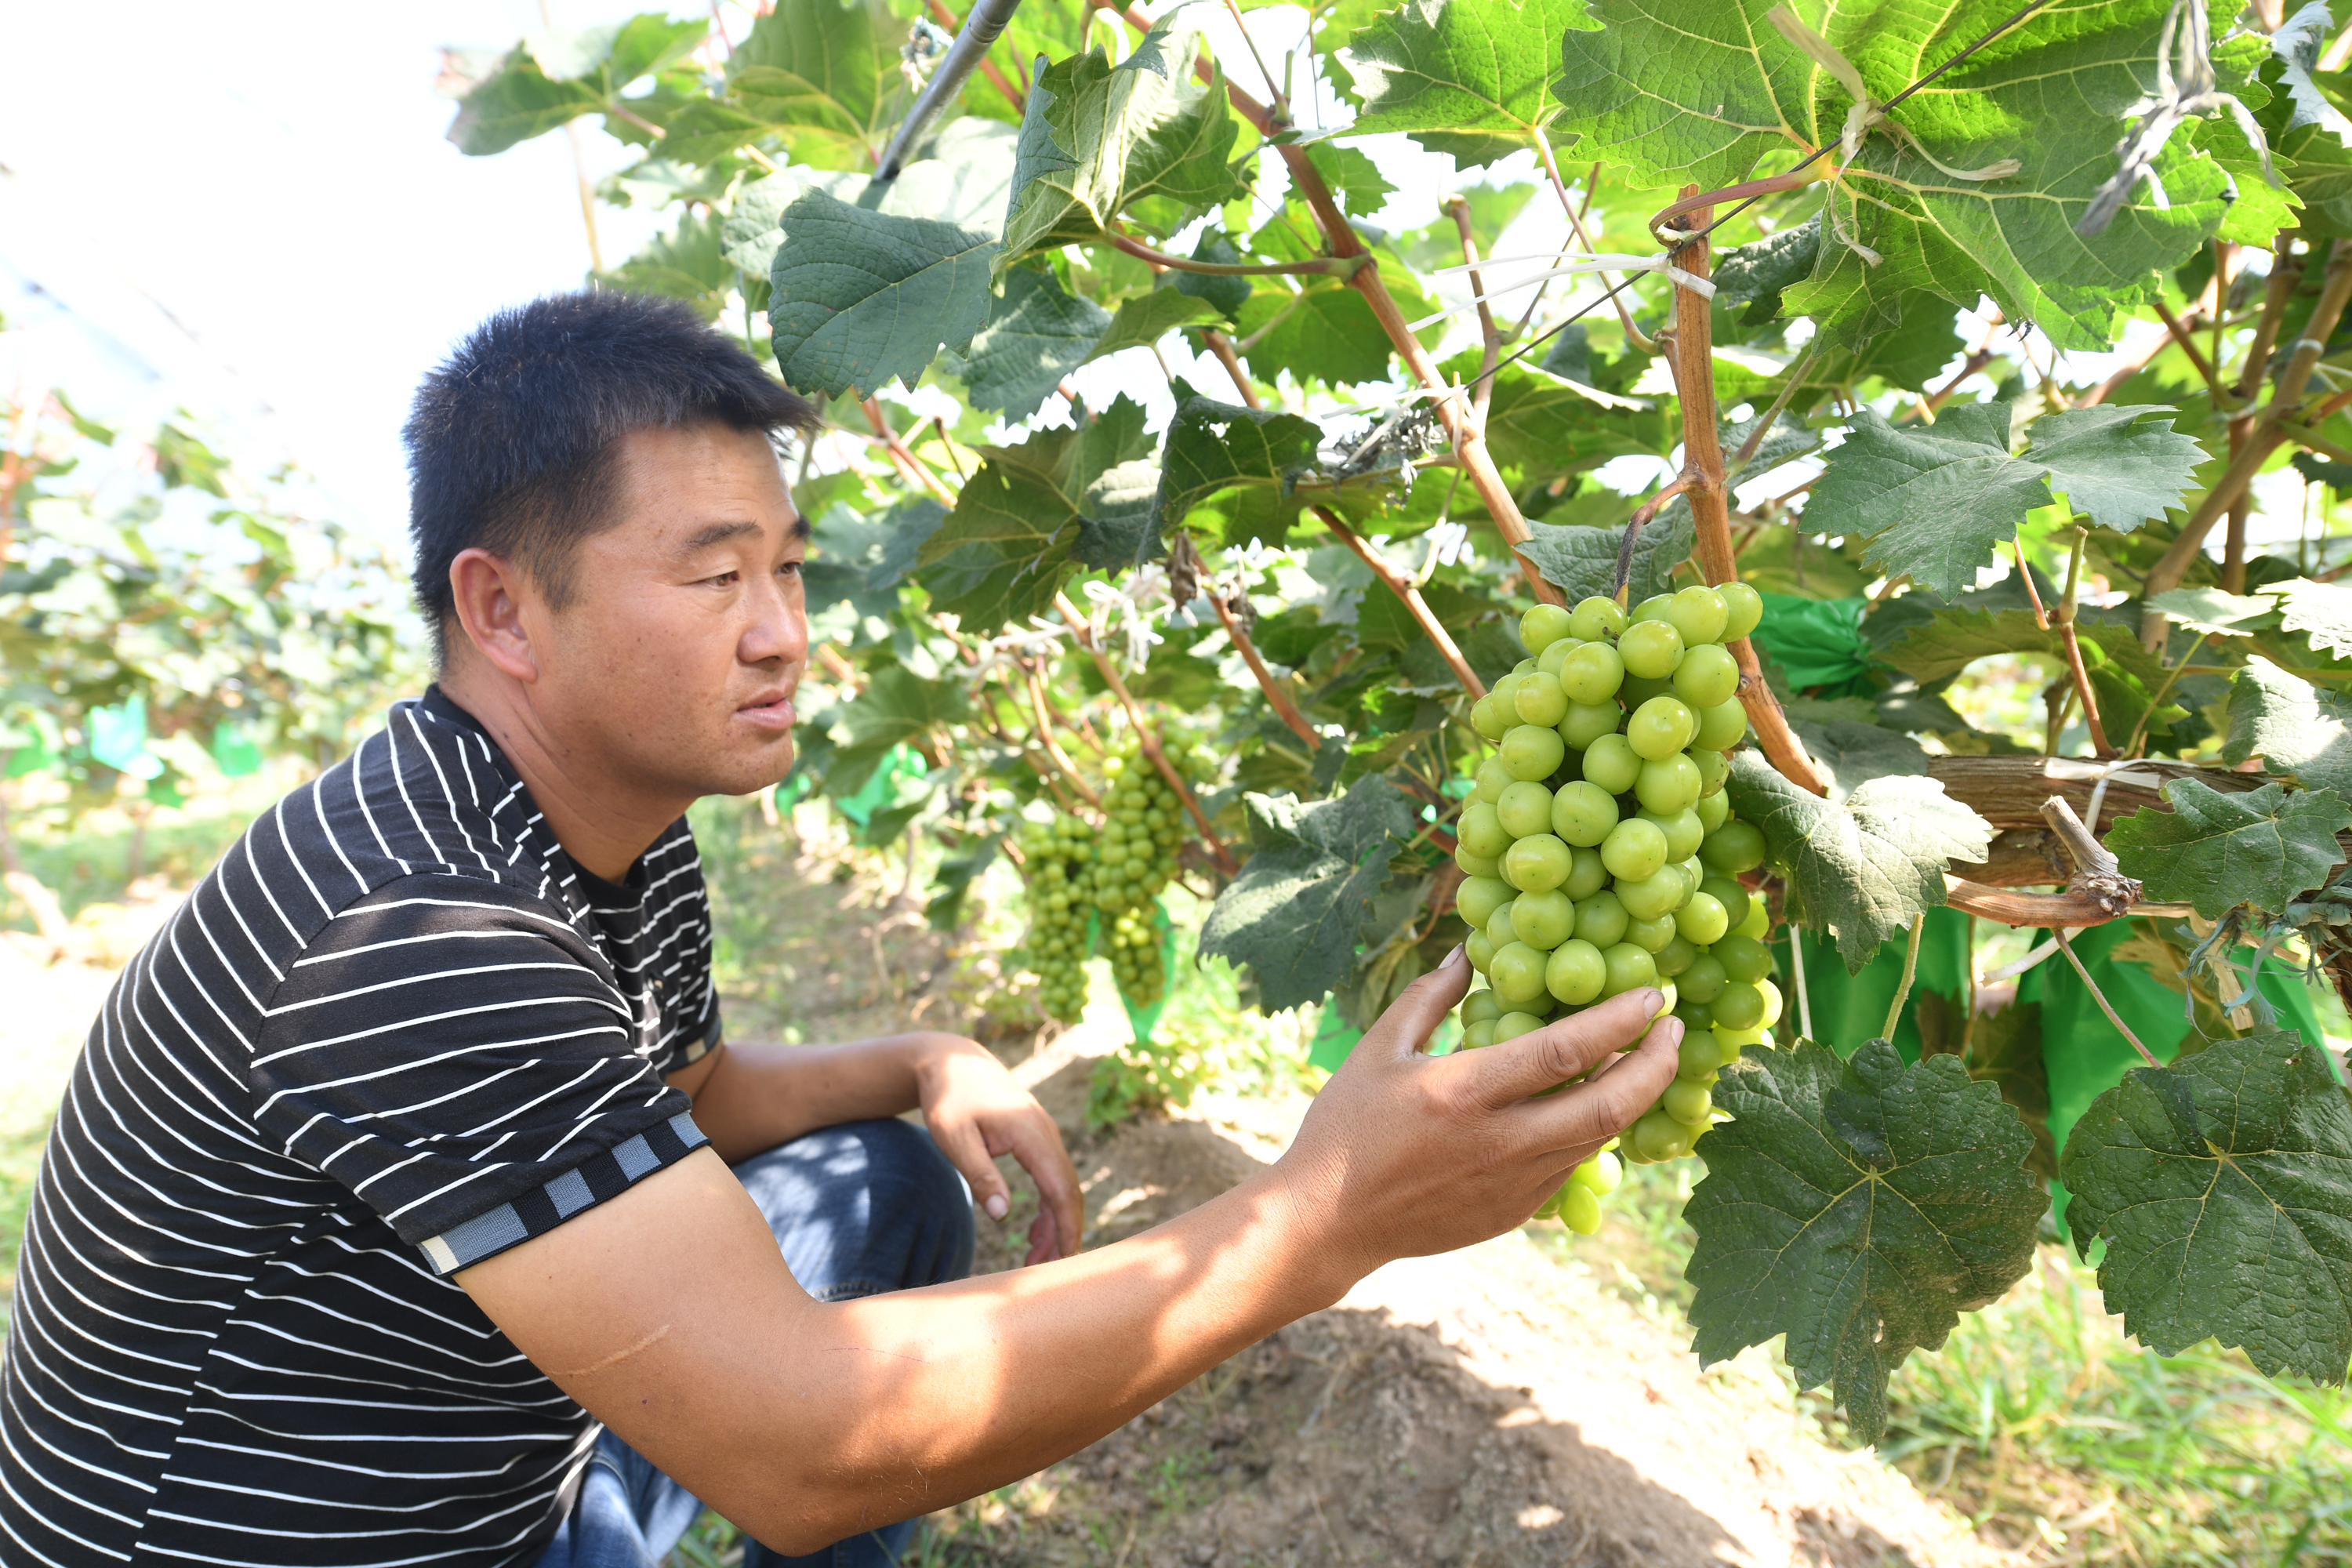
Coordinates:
(864,1207)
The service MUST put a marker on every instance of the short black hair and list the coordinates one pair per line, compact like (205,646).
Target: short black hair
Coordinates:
(514,441)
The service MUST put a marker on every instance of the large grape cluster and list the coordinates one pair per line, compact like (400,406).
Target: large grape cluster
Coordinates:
(1114,872)
(1601,855)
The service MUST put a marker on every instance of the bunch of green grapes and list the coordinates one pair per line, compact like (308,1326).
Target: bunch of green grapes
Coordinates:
(1143,827)
(1138,959)
(1601,855)
(1057,865)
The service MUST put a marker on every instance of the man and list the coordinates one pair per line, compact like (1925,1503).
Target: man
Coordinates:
(407,1205)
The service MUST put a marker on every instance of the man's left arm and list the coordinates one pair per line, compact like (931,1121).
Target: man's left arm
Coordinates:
(749,1098)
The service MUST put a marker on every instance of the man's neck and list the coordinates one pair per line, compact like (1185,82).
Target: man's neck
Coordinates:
(601,823)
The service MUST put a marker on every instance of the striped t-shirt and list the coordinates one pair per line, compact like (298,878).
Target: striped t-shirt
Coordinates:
(395,1031)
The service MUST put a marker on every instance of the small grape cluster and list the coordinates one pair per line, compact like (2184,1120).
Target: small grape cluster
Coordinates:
(1117,871)
(1601,855)
(1057,864)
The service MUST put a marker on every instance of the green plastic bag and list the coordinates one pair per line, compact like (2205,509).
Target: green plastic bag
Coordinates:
(1816,642)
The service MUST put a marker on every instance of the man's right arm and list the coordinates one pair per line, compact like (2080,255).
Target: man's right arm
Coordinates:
(668,1312)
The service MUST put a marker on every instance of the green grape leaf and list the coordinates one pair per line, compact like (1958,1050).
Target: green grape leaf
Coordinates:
(1145,319)
(1859,1207)
(1214,446)
(824,75)
(688,263)
(516,103)
(1760,271)
(2322,612)
(2211,611)
(858,298)
(1295,912)
(1700,90)
(961,176)
(1324,333)
(1035,335)
(618,54)
(2213,851)
(2125,677)
(1866,865)
(1228,294)
(2222,1186)
(1582,562)
(1142,138)
(1479,66)
(897,706)
(2292,725)
(1934,500)
(1352,176)
(1848,754)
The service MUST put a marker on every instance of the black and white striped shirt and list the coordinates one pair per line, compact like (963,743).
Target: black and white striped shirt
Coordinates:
(395,1031)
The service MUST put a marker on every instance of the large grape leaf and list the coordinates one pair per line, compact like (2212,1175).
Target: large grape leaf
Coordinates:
(1582,562)
(823,74)
(2322,612)
(857,297)
(1849,754)
(2215,851)
(2222,1186)
(1295,912)
(1142,137)
(1866,865)
(2293,726)
(556,77)
(1934,500)
(1858,1208)
(1214,446)
(1145,319)
(1700,90)
(1035,335)
(1478,72)
(1324,332)
(961,176)
(896,705)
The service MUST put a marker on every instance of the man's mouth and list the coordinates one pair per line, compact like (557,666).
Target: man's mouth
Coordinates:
(769,710)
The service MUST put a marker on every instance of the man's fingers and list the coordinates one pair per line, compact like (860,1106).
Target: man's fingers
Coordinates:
(1597,1109)
(1514,1068)
(1406,1027)
(967,1150)
(1037,1144)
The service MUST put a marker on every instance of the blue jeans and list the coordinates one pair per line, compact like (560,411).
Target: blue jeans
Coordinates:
(858,1209)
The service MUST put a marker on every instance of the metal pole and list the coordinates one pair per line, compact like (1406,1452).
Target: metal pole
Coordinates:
(988,19)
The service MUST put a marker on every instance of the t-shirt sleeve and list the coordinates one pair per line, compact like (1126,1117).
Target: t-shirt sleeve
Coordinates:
(462,1060)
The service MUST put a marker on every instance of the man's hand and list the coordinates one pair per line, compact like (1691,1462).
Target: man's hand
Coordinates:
(1404,1154)
(977,1111)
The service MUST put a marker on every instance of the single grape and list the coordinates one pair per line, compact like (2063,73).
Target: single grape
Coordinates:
(1714,810)
(1517,974)
(1696,1015)
(1700,615)
(1579,1210)
(1685,1101)
(1595,618)
(1629,969)
(1601,920)
(1536,863)
(1653,609)
(1633,850)
(1759,921)
(1525,808)
(1476,865)
(1639,689)
(1701,920)
(1651,935)
(1714,772)
(1533,755)
(1773,1003)
(1660,729)
(1744,958)
(1592,674)
(1658,894)
(1721,727)
(1492,779)
(1511,1025)
(1539,700)
(1479,1008)
(1651,649)
(1701,1053)
(1502,929)
(1582,813)
(1728,892)
(1599,1175)
(1523,666)
(1707,678)
(1491,718)
(1668,786)
(1744,606)
(1587,723)
(1543,921)
(1659,1136)
(1481,830)
(1611,762)
(1736,1040)
(1704,980)
(1479,897)
(1480,952)
(1734,847)
(1552,657)
(1739,1007)
(1478,1034)
(1574,973)
(1586,875)
(1676,957)
(1685,833)
(1543,625)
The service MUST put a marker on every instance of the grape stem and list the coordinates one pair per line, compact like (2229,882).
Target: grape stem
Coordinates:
(2082,676)
(2101,998)
(1402,587)
(1910,970)
(1633,525)
(1145,736)
(1044,712)
(1707,493)
(1283,708)
(909,467)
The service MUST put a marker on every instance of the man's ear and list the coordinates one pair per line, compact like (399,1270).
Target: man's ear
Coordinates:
(489,592)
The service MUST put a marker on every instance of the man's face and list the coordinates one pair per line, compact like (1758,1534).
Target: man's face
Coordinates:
(686,635)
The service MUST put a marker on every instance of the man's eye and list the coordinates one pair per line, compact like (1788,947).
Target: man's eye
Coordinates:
(790,569)
(724,580)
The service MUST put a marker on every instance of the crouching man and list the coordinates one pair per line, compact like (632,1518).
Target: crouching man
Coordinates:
(407,1207)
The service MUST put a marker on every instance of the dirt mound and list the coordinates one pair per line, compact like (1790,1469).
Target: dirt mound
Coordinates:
(1486,1407)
